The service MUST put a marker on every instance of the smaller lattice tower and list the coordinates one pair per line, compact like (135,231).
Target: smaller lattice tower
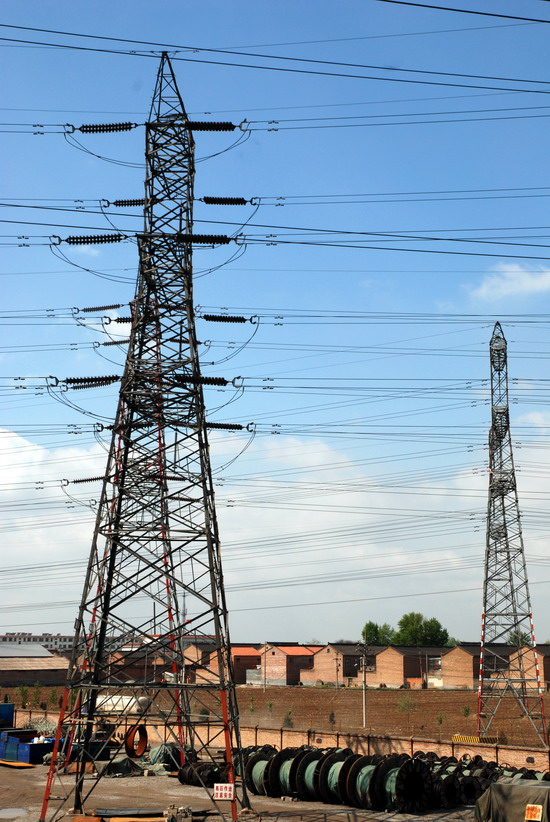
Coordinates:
(508,658)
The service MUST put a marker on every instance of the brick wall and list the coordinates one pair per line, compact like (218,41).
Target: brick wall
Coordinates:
(327,668)
(340,711)
(359,743)
(242,664)
(273,665)
(459,669)
(389,669)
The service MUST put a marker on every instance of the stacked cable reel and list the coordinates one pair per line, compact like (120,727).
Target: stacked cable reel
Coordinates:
(391,782)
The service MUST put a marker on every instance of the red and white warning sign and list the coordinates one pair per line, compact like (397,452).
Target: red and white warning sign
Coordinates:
(533,813)
(226,790)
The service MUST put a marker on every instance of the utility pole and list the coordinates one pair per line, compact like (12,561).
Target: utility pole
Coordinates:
(508,656)
(364,649)
(156,543)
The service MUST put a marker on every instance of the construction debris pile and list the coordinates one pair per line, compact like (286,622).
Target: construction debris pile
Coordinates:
(395,782)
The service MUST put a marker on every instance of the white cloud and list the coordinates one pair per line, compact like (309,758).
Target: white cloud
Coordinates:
(86,250)
(540,419)
(512,280)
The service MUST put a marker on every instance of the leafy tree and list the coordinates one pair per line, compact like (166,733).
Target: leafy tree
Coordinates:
(434,633)
(375,634)
(387,634)
(517,637)
(414,629)
(371,633)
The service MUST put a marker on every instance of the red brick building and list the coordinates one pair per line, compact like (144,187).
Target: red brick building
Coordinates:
(282,664)
(403,666)
(338,664)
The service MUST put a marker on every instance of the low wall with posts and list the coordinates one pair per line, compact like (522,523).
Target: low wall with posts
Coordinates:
(536,758)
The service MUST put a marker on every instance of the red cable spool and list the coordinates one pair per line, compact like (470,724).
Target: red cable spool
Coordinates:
(134,751)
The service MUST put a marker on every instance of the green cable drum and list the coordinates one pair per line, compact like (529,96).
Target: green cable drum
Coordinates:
(356,788)
(272,783)
(258,771)
(255,768)
(389,789)
(304,772)
(284,773)
(362,784)
(309,773)
(332,781)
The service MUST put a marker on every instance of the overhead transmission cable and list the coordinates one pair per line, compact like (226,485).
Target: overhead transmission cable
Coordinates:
(343,75)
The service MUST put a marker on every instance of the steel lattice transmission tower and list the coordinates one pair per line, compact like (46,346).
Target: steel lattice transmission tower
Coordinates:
(508,659)
(154,593)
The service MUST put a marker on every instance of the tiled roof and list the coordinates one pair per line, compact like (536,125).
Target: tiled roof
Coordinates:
(51,663)
(300,650)
(473,648)
(246,650)
(422,650)
(350,649)
(25,650)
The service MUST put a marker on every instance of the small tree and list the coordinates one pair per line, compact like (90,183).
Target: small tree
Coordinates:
(287,720)
(36,694)
(440,719)
(53,698)
(407,705)
(466,710)
(332,719)
(23,692)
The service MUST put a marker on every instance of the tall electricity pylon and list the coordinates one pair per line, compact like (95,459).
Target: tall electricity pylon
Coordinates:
(508,659)
(152,655)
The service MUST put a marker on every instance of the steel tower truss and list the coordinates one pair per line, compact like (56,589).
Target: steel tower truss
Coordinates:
(152,643)
(508,659)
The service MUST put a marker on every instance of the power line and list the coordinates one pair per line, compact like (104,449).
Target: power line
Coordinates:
(466,11)
(288,70)
(178,47)
(377,36)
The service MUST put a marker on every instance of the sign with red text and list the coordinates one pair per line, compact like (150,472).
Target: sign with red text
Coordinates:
(226,790)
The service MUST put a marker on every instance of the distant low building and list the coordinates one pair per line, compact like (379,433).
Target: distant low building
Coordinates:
(62,643)
(338,664)
(282,663)
(26,665)
(406,666)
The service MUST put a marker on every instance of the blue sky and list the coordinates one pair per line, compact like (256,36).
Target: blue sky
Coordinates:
(364,488)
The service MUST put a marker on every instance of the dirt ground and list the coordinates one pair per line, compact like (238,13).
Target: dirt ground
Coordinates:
(21,799)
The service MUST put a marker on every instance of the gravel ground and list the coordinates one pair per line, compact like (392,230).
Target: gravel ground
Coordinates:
(21,798)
